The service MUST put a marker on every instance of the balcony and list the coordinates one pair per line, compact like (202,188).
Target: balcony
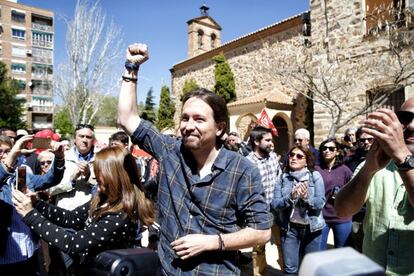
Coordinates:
(42,27)
(41,125)
(42,59)
(40,76)
(42,109)
(42,92)
(42,43)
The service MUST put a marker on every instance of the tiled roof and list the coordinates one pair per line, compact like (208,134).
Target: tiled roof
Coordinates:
(276,96)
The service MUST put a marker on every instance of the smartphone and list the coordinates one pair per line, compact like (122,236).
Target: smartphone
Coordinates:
(21,179)
(41,143)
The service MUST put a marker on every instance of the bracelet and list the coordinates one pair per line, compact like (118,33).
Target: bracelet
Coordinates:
(221,242)
(129,79)
(131,66)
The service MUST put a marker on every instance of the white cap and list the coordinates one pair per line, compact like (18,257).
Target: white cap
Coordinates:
(21,132)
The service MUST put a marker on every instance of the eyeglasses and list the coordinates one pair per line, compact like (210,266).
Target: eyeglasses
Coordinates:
(324,148)
(42,163)
(405,117)
(297,140)
(363,140)
(298,155)
(80,126)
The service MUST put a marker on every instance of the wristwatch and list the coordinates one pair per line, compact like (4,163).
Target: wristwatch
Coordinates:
(408,163)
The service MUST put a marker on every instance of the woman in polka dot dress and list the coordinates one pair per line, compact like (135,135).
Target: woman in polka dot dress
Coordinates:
(108,221)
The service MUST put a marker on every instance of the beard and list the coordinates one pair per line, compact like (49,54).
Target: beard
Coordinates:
(265,150)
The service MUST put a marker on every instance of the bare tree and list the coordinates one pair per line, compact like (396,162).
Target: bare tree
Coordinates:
(338,78)
(86,76)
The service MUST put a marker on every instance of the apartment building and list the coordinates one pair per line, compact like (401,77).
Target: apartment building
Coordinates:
(26,46)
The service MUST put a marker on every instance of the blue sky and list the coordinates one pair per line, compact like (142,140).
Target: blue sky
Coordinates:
(162,25)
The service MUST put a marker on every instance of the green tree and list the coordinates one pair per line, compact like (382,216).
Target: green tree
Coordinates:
(189,86)
(166,109)
(63,123)
(12,108)
(107,114)
(225,85)
(148,113)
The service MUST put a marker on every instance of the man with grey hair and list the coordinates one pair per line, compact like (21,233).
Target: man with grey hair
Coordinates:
(302,138)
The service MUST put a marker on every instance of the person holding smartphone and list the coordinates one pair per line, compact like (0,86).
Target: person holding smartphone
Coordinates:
(18,245)
(298,199)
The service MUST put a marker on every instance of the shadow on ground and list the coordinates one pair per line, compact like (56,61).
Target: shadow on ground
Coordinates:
(247,270)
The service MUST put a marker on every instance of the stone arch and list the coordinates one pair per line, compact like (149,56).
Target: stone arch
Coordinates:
(243,125)
(284,127)
(200,34)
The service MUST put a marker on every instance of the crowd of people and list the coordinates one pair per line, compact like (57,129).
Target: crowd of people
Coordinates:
(203,194)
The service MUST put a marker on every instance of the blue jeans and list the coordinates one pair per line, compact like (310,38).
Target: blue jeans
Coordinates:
(341,233)
(297,242)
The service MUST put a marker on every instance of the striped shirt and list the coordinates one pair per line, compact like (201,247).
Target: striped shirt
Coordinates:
(269,171)
(228,198)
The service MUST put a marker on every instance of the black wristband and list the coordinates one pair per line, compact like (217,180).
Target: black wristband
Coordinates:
(131,66)
(128,79)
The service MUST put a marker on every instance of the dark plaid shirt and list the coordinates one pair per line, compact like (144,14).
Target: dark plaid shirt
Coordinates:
(229,198)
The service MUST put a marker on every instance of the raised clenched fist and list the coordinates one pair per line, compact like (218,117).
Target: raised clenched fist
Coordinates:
(137,53)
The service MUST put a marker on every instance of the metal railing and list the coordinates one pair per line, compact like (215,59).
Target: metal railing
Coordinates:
(43,109)
(41,27)
(42,43)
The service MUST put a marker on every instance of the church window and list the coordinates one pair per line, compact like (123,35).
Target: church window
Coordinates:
(200,39)
(213,41)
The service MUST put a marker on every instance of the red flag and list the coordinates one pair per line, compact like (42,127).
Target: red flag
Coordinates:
(265,121)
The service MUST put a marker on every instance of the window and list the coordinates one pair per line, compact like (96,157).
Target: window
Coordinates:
(21,84)
(213,41)
(17,16)
(200,39)
(18,51)
(378,12)
(19,34)
(18,68)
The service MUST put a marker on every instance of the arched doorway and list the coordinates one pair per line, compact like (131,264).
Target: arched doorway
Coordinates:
(282,141)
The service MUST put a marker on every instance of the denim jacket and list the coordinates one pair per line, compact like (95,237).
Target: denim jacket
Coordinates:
(283,205)
(34,183)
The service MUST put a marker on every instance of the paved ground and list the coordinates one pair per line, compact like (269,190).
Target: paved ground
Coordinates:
(273,268)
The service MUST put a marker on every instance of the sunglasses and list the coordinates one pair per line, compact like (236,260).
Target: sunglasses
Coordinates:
(363,140)
(42,163)
(298,155)
(80,126)
(324,148)
(405,117)
(298,140)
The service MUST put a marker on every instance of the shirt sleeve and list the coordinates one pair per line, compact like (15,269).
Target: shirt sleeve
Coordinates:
(107,230)
(50,179)
(152,141)
(251,202)
(280,201)
(74,219)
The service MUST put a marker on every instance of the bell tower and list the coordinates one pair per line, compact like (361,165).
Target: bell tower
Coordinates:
(204,34)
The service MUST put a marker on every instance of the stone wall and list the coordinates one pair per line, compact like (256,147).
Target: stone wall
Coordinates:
(248,64)
(337,25)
